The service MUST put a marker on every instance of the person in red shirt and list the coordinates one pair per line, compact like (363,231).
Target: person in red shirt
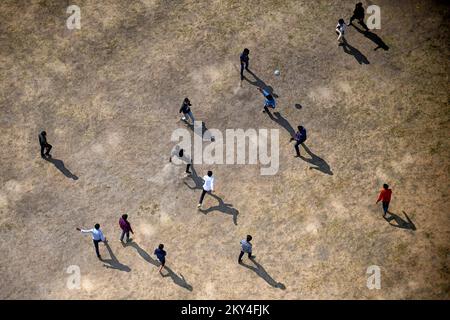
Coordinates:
(385,198)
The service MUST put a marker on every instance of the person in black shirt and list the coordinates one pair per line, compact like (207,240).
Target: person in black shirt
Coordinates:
(44,145)
(244,61)
(358,14)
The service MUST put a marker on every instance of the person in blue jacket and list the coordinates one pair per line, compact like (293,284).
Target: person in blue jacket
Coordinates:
(269,100)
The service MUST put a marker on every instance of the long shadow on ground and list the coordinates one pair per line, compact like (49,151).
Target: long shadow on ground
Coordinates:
(114,263)
(319,163)
(354,52)
(59,164)
(281,121)
(260,84)
(177,279)
(260,271)
(374,38)
(399,222)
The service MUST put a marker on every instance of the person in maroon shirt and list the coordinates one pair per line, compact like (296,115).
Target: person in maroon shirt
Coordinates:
(385,198)
(126,227)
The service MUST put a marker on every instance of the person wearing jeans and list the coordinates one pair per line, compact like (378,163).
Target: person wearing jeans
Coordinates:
(244,61)
(126,227)
(208,186)
(45,147)
(186,110)
(385,198)
(299,138)
(97,236)
(246,247)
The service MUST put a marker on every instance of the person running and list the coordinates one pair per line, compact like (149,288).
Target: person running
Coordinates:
(179,153)
(97,236)
(126,227)
(340,30)
(246,247)
(300,137)
(45,147)
(385,198)
(161,255)
(358,14)
(186,110)
(208,186)
(269,100)
(244,61)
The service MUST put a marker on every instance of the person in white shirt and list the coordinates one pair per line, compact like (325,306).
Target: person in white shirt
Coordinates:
(208,186)
(340,29)
(97,236)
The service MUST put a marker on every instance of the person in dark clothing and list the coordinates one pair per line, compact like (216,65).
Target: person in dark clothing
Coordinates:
(358,14)
(161,255)
(45,147)
(180,154)
(244,61)
(299,138)
(126,227)
(186,110)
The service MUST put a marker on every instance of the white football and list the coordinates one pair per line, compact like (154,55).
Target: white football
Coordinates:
(277,72)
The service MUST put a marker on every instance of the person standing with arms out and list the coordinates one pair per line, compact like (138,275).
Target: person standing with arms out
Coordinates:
(300,137)
(44,145)
(161,255)
(246,247)
(208,186)
(340,30)
(269,100)
(385,198)
(126,227)
(186,110)
(97,236)
(244,62)
(358,14)
(180,154)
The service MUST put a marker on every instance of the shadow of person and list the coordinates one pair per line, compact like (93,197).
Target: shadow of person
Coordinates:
(281,121)
(144,255)
(319,163)
(374,38)
(198,181)
(354,52)
(177,279)
(226,208)
(260,271)
(205,134)
(399,222)
(59,164)
(260,83)
(113,263)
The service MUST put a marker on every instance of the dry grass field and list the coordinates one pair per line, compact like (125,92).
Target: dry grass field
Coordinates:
(108,96)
